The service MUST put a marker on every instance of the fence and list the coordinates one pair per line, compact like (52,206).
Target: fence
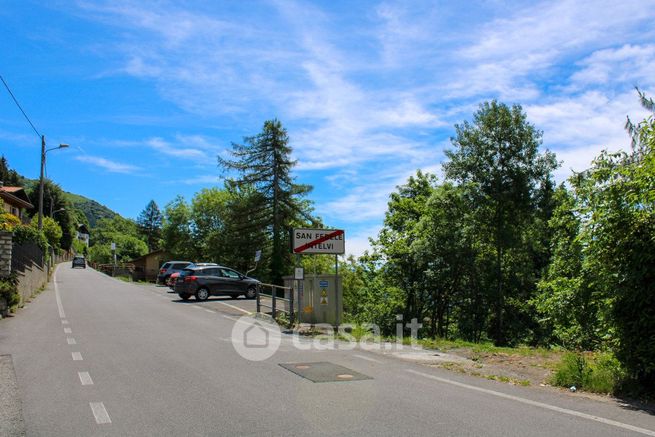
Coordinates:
(26,255)
(115,270)
(274,300)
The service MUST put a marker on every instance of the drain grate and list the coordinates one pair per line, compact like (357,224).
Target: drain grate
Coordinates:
(324,372)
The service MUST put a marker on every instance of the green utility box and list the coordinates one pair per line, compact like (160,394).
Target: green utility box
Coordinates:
(317,298)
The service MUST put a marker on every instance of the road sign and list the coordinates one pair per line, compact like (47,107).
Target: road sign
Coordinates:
(324,299)
(113,246)
(258,256)
(326,241)
(299,274)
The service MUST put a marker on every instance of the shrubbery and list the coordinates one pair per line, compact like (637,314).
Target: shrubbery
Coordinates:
(9,290)
(598,373)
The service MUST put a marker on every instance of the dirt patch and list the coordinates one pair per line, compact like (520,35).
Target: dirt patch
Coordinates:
(520,369)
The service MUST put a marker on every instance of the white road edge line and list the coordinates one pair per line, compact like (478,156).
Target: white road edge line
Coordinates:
(537,404)
(85,378)
(100,412)
(77,356)
(235,307)
(362,357)
(60,307)
(209,311)
(71,340)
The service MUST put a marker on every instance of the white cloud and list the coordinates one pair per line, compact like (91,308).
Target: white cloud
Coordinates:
(106,164)
(629,63)
(170,149)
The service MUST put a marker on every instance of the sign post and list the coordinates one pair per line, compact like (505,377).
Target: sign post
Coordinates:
(322,241)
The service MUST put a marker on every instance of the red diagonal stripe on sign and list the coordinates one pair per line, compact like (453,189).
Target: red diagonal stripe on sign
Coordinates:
(320,240)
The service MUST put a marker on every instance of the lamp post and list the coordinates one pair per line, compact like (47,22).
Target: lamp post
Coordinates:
(43,152)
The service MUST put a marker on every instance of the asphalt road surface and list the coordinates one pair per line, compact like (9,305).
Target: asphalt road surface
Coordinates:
(96,356)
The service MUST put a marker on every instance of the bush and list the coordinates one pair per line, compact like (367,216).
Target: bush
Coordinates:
(9,290)
(8,221)
(600,373)
(23,234)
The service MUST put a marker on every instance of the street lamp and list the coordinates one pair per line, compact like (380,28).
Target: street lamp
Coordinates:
(43,152)
(52,213)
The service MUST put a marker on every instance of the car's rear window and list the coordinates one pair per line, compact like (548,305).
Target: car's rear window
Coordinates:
(186,272)
(166,265)
(179,266)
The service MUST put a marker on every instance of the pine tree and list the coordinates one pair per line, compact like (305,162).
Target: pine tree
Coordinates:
(150,225)
(264,163)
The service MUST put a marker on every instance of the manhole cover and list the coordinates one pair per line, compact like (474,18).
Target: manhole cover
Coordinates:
(324,372)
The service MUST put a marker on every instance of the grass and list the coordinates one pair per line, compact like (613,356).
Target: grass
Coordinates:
(597,373)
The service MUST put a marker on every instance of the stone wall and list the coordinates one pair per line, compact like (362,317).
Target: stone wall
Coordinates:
(5,254)
(30,281)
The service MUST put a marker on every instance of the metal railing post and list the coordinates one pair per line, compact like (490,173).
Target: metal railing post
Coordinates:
(259,306)
(273,296)
(291,312)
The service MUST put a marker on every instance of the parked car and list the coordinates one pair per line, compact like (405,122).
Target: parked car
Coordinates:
(79,261)
(170,267)
(171,279)
(205,281)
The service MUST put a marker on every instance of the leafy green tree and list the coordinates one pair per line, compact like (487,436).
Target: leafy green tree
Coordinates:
(55,205)
(149,223)
(51,230)
(405,209)
(264,163)
(445,251)
(176,233)
(124,233)
(498,154)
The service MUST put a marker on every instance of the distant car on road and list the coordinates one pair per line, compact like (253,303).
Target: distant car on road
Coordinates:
(170,267)
(79,261)
(205,281)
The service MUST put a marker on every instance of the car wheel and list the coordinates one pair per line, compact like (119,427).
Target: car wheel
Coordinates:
(251,293)
(202,294)
(184,297)
(234,296)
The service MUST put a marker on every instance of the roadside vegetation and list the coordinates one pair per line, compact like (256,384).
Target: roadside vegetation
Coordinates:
(495,260)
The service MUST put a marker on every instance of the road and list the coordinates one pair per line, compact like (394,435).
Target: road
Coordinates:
(95,356)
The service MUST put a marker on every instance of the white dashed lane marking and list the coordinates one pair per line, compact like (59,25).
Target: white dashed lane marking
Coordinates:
(85,378)
(68,331)
(71,340)
(77,356)
(100,412)
(64,322)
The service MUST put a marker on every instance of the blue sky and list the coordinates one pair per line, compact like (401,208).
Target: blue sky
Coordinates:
(148,94)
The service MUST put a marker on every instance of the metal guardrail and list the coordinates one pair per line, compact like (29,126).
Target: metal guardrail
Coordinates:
(274,299)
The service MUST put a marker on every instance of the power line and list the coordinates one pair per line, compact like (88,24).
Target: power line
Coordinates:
(19,107)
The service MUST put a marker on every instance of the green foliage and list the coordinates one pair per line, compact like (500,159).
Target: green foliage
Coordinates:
(9,290)
(598,373)
(263,163)
(51,230)
(91,210)
(24,233)
(149,224)
(399,271)
(497,158)
(8,221)
(176,233)
(117,230)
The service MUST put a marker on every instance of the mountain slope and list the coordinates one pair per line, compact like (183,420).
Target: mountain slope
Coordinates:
(93,210)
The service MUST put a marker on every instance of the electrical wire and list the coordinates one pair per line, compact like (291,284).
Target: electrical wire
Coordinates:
(19,107)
